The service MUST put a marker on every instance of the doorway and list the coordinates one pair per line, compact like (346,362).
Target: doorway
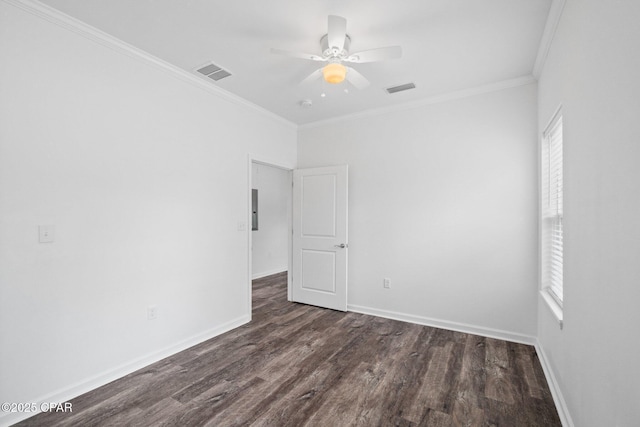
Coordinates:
(269,224)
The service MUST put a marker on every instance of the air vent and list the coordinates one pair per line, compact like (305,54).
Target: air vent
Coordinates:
(213,71)
(400,88)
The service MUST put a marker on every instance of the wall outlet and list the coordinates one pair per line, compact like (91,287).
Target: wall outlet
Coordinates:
(152,312)
(386,283)
(46,233)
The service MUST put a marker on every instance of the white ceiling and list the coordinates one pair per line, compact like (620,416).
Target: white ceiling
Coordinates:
(448,45)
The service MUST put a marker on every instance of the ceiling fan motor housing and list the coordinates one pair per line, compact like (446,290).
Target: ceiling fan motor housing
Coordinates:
(327,51)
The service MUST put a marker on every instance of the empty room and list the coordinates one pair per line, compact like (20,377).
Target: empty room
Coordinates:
(322,213)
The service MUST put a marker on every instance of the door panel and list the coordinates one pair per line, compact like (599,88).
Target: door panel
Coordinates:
(320,246)
(318,271)
(318,206)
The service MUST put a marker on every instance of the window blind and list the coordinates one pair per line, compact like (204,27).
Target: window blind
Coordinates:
(555,207)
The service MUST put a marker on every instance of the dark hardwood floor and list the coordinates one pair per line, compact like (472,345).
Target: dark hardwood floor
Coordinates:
(296,365)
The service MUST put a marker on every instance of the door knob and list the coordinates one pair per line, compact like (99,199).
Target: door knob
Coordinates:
(341,245)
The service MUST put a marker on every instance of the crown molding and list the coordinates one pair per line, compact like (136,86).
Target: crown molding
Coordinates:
(465,93)
(553,19)
(74,25)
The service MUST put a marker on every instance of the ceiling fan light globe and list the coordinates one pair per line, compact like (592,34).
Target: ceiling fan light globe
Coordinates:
(334,73)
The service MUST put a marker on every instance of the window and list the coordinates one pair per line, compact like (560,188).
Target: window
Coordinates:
(552,209)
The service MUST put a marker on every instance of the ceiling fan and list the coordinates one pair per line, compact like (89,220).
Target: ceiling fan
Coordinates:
(335,50)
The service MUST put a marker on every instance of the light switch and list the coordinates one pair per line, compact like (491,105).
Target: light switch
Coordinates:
(46,233)
(242,226)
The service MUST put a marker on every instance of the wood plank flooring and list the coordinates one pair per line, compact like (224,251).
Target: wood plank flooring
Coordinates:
(298,365)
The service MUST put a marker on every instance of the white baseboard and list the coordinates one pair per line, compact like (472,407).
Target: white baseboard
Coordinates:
(556,392)
(558,399)
(444,324)
(268,273)
(74,390)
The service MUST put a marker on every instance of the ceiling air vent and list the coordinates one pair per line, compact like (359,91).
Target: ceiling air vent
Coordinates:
(400,88)
(213,72)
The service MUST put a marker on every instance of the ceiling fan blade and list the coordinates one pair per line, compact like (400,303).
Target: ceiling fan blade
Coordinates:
(356,79)
(301,55)
(337,32)
(380,54)
(312,77)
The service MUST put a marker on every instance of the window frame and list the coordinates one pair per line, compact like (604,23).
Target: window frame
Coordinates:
(552,214)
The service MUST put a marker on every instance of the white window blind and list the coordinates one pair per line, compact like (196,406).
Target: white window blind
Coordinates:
(554,211)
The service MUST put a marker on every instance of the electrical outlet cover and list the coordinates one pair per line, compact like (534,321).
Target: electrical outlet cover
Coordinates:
(46,233)
(152,312)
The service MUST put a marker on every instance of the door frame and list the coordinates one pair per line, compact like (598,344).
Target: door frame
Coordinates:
(261,160)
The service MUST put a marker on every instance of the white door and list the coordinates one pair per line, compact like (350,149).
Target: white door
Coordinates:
(320,243)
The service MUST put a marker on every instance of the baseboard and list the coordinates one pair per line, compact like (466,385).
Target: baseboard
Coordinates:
(444,324)
(75,390)
(556,392)
(268,273)
(558,399)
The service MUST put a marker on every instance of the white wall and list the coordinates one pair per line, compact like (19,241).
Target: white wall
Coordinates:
(144,176)
(270,251)
(592,70)
(442,200)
